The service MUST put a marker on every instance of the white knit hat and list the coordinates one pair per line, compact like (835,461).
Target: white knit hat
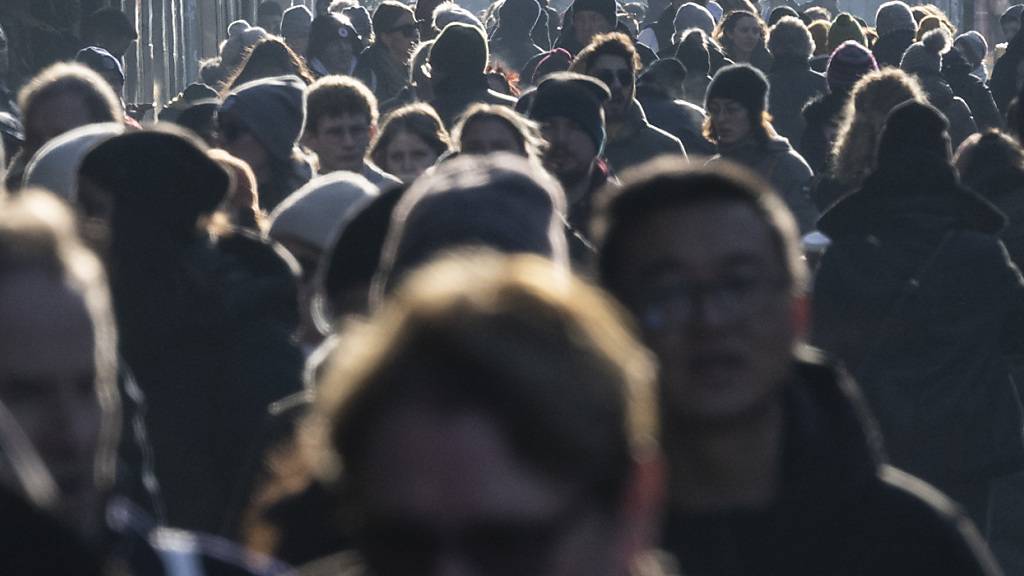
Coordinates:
(55,166)
(313,213)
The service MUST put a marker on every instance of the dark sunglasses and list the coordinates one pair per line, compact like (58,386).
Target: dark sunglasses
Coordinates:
(625,77)
(407,30)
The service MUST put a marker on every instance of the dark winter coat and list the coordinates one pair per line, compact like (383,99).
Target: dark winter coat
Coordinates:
(889,49)
(972,90)
(637,141)
(820,114)
(677,117)
(1003,82)
(793,84)
(207,330)
(454,96)
(820,63)
(776,161)
(917,296)
(840,510)
(940,95)
(381,73)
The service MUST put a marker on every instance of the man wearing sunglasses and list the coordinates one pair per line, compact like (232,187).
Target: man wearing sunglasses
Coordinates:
(612,59)
(774,464)
(497,419)
(384,66)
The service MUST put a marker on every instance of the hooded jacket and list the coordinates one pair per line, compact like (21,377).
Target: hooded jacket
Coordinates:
(972,90)
(777,162)
(840,511)
(917,296)
(637,141)
(793,85)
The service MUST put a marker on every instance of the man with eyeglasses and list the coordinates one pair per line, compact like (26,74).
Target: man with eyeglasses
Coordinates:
(774,463)
(612,59)
(384,66)
(496,418)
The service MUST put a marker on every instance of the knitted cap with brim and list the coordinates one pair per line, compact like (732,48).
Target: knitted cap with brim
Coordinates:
(460,50)
(576,97)
(500,202)
(913,129)
(844,28)
(893,16)
(312,213)
(296,22)
(850,62)
(741,83)
(55,166)
(926,55)
(273,109)
(162,174)
(606,8)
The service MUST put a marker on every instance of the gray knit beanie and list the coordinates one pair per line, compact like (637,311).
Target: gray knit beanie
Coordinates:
(273,109)
(926,55)
(893,16)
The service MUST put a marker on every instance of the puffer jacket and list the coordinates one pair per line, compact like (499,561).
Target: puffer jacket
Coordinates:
(940,95)
(777,162)
(973,91)
(637,141)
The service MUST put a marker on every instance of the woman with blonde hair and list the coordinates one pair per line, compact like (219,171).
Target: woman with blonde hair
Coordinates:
(860,127)
(410,141)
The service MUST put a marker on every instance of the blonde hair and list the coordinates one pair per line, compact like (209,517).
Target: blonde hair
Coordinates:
(862,120)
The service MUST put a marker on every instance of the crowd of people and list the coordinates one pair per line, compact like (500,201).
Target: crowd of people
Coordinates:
(687,287)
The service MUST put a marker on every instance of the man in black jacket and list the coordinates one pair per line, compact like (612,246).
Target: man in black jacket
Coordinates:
(774,467)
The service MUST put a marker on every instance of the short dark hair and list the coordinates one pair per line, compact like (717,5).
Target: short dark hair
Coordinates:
(610,44)
(663,184)
(545,355)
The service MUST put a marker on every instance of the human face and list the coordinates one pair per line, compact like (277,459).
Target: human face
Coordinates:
(487,136)
(401,38)
(588,24)
(48,381)
(338,56)
(745,36)
(341,142)
(448,491)
(239,141)
(730,119)
(571,154)
(710,291)
(52,117)
(408,156)
(620,77)
(1010,28)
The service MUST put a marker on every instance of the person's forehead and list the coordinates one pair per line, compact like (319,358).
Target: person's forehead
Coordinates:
(609,62)
(450,468)
(704,238)
(349,120)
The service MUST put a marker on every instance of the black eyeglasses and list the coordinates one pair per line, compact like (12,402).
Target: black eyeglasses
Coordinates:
(728,299)
(407,30)
(625,77)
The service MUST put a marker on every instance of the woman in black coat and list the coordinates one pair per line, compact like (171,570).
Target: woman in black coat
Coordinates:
(917,296)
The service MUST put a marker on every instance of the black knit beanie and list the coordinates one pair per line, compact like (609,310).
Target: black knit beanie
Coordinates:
(459,51)
(742,83)
(913,129)
(605,8)
(576,97)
